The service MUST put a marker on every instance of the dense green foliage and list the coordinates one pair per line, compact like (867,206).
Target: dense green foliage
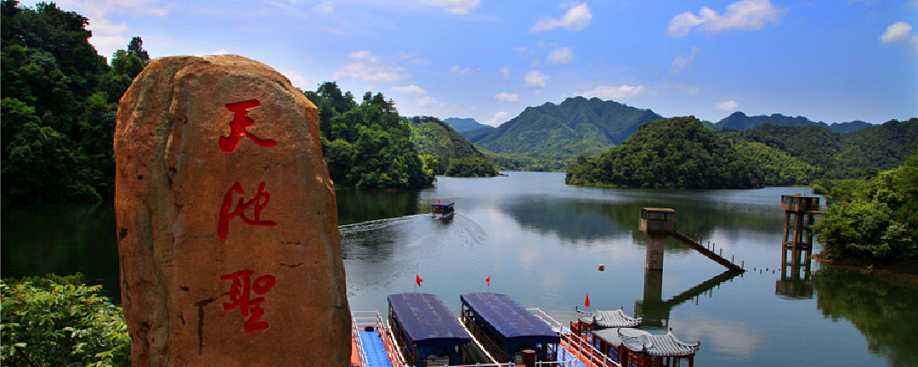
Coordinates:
(772,167)
(859,154)
(58,321)
(367,145)
(58,107)
(447,148)
(472,166)
(577,126)
(525,162)
(740,121)
(872,220)
(672,153)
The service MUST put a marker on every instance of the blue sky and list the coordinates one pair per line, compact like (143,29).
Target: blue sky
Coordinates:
(831,61)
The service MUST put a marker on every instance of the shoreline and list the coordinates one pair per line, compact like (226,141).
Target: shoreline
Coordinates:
(894,272)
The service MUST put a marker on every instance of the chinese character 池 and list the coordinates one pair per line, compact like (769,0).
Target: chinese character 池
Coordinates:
(240,295)
(241,121)
(257,203)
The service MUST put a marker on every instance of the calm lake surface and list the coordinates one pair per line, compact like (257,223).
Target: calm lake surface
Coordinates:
(541,242)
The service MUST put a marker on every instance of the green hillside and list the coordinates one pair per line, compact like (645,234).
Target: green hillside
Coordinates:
(740,121)
(447,152)
(672,153)
(366,144)
(464,124)
(858,154)
(561,131)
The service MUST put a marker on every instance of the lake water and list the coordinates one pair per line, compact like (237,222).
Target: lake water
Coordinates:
(541,241)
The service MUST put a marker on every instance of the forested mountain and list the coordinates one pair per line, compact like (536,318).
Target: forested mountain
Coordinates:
(462,125)
(849,127)
(740,121)
(560,131)
(447,152)
(682,153)
(672,153)
(858,154)
(58,107)
(367,145)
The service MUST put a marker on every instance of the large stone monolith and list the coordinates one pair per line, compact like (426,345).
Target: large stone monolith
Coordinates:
(227,229)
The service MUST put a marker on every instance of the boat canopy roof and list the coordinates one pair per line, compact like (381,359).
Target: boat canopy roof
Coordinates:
(636,340)
(425,319)
(614,319)
(443,203)
(508,318)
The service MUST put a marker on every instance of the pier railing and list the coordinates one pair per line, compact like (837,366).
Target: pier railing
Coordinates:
(374,319)
(578,345)
(355,336)
(361,319)
(697,246)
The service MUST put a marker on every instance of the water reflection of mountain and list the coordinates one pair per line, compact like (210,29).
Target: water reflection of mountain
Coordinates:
(361,206)
(881,310)
(587,220)
(62,240)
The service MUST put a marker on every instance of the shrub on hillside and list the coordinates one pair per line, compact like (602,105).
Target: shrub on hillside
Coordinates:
(59,321)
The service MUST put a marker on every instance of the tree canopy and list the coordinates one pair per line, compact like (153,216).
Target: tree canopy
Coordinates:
(447,151)
(872,220)
(58,106)
(367,144)
(671,153)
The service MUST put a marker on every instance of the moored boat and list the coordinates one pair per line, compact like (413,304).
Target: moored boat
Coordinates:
(426,332)
(492,330)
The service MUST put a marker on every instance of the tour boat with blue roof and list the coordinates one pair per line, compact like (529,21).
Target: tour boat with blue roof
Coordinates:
(493,330)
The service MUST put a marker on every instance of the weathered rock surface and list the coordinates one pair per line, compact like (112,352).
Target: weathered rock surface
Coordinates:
(216,269)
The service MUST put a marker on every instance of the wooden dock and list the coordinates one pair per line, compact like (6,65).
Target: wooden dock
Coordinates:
(694,244)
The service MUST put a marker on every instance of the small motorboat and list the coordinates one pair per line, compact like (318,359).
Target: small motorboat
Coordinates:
(442,209)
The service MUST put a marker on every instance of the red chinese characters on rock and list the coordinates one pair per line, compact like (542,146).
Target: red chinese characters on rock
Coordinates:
(257,203)
(241,121)
(240,295)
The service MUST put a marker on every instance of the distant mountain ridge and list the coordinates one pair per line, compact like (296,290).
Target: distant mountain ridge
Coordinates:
(434,137)
(464,124)
(575,126)
(740,121)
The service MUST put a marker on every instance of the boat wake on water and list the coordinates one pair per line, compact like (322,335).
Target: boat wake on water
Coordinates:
(389,249)
(375,224)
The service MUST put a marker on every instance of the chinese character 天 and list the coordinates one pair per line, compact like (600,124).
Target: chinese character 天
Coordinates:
(241,121)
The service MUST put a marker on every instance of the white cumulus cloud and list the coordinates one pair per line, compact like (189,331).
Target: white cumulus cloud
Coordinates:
(562,55)
(461,70)
(740,15)
(295,77)
(727,106)
(895,32)
(367,67)
(683,61)
(536,79)
(613,92)
(497,118)
(107,36)
(507,97)
(576,18)
(324,7)
(411,89)
(458,7)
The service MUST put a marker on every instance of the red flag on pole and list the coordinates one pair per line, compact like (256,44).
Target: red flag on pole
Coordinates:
(586,300)
(488,280)
(418,279)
